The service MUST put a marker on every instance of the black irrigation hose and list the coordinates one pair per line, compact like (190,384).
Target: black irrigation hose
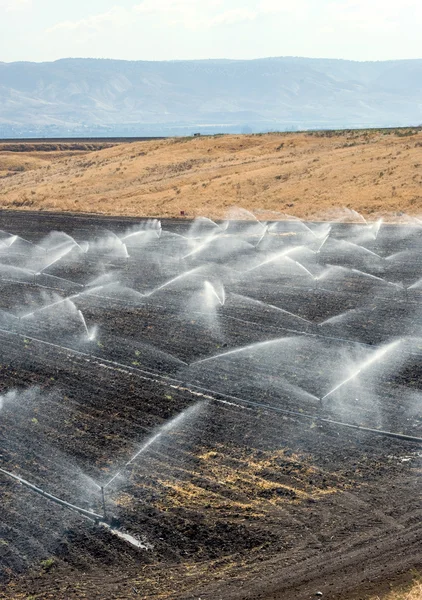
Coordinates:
(254,323)
(98,519)
(300,333)
(406,299)
(214,395)
(86,513)
(399,436)
(235,399)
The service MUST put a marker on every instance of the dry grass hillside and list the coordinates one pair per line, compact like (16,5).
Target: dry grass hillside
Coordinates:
(413,592)
(303,174)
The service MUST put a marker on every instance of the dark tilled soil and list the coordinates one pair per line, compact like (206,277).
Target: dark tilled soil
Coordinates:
(237,500)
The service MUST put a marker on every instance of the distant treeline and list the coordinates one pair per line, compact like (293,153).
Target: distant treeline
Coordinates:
(98,143)
(66,144)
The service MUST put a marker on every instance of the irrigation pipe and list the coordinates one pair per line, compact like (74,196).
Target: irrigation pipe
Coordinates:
(86,513)
(255,324)
(286,286)
(98,519)
(295,331)
(213,394)
(399,436)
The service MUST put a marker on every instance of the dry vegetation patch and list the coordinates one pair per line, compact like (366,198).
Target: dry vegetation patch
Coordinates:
(411,592)
(307,174)
(248,485)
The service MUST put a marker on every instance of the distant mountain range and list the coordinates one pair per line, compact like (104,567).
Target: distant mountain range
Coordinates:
(74,97)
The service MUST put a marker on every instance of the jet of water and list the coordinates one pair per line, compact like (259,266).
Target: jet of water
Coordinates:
(202,245)
(175,280)
(338,318)
(48,307)
(171,425)
(242,214)
(61,255)
(360,248)
(359,216)
(283,255)
(266,305)
(377,356)
(376,228)
(210,292)
(322,244)
(264,233)
(235,351)
(416,285)
(298,264)
(370,276)
(89,334)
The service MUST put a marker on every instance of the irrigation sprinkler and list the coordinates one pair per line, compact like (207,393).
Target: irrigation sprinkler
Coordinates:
(103,503)
(214,263)
(101,520)
(404,291)
(215,395)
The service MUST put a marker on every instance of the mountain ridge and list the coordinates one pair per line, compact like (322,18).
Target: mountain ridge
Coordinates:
(82,95)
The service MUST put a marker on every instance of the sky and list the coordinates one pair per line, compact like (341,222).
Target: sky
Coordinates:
(46,30)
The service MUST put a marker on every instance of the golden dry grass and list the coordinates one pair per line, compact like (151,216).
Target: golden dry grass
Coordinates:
(413,592)
(11,163)
(306,174)
(239,485)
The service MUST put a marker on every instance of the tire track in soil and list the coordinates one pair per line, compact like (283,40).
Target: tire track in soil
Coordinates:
(338,574)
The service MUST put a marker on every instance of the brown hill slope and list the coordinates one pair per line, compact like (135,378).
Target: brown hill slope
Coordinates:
(305,174)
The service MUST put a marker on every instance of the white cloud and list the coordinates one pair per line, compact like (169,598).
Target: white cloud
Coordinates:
(120,16)
(190,14)
(230,17)
(367,15)
(194,14)
(116,16)
(166,6)
(298,7)
(372,14)
(14,5)
(262,8)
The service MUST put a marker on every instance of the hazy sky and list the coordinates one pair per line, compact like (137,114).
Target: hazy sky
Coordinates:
(41,30)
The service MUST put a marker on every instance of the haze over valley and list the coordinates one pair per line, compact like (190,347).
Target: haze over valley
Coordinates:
(85,97)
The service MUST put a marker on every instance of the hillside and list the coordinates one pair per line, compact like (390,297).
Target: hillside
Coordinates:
(308,175)
(90,96)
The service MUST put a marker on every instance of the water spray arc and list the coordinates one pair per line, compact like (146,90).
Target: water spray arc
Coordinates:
(211,293)
(377,356)
(216,294)
(163,430)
